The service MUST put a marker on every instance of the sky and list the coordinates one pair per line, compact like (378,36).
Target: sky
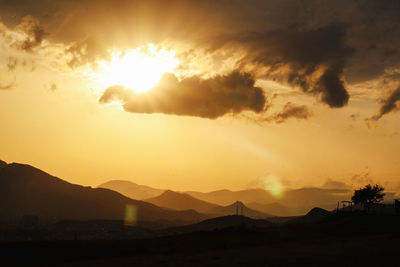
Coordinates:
(203,95)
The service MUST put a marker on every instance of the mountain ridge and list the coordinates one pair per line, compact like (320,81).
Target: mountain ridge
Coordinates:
(131,189)
(27,190)
(181,201)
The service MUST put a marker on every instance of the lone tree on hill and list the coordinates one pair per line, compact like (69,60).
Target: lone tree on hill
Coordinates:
(368,195)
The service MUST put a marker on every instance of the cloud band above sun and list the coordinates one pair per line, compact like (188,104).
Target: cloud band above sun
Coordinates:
(320,48)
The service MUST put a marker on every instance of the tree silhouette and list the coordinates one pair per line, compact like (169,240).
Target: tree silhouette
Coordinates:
(368,195)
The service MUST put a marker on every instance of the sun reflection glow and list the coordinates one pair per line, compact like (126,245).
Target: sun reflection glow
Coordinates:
(139,69)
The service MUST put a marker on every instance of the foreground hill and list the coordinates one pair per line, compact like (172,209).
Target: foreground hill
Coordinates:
(27,190)
(181,201)
(313,216)
(132,190)
(240,208)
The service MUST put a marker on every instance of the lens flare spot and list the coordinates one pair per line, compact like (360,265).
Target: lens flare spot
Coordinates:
(272,184)
(130,215)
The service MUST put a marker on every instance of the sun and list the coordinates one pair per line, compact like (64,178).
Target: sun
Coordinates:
(139,69)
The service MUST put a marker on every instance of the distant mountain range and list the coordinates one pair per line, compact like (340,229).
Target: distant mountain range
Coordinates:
(298,200)
(181,201)
(25,190)
(132,190)
(290,203)
(225,197)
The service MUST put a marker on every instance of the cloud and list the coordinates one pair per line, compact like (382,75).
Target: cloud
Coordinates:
(88,50)
(12,63)
(291,110)
(3,28)
(322,47)
(34,31)
(390,104)
(53,87)
(312,60)
(207,98)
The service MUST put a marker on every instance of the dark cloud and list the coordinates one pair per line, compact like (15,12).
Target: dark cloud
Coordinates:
(312,60)
(194,96)
(35,33)
(291,110)
(390,104)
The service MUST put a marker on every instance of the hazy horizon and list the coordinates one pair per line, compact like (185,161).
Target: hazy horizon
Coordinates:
(271,185)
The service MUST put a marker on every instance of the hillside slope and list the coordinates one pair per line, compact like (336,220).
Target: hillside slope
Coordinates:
(27,190)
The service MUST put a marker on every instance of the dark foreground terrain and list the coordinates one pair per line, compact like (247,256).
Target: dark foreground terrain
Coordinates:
(347,240)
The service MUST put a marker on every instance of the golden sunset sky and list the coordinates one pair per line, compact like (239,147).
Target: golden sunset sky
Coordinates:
(203,95)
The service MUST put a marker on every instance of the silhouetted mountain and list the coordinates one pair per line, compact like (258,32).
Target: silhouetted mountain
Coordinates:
(2,163)
(314,215)
(223,222)
(132,190)
(27,190)
(181,201)
(276,209)
(240,208)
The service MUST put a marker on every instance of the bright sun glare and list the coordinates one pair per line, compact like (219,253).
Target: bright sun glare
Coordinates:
(139,69)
